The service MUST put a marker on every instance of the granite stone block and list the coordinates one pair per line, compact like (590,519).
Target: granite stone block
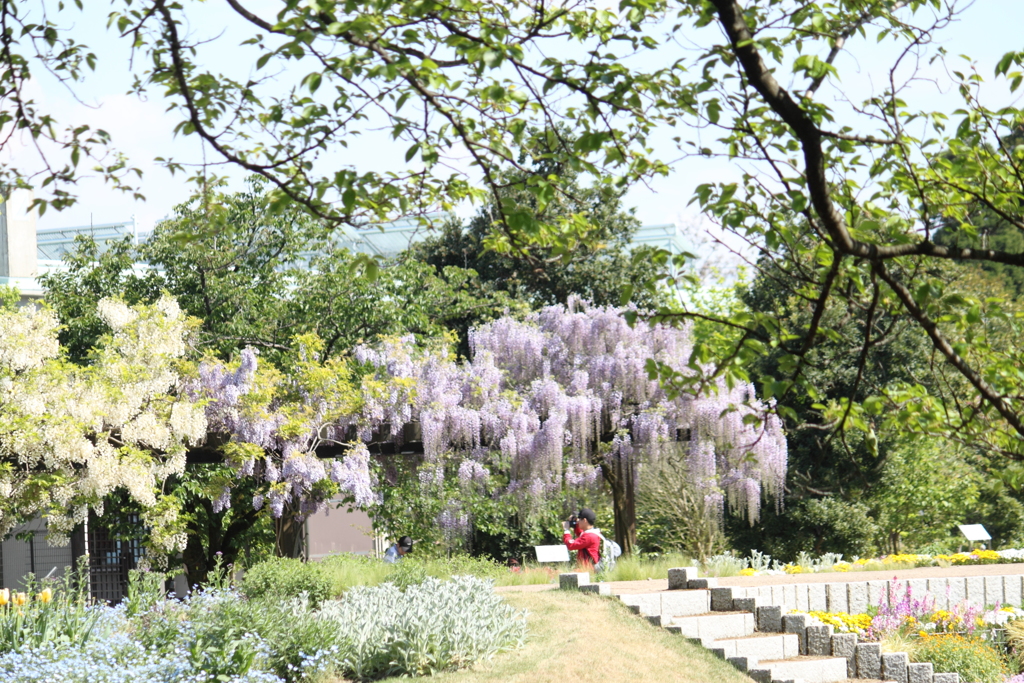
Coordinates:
(957,591)
(597,588)
(878,593)
(994,591)
(1012,590)
(894,666)
(778,598)
(819,640)
(797,623)
(684,603)
(869,660)
(646,604)
(801,598)
(789,597)
(744,604)
(721,599)
(573,580)
(764,594)
(769,618)
(845,645)
(763,675)
(918,588)
(816,597)
(838,601)
(702,584)
(858,598)
(744,664)
(919,673)
(679,577)
(945,678)
(939,589)
(976,590)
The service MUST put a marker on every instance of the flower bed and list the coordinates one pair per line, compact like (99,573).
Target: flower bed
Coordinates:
(966,639)
(760,564)
(219,635)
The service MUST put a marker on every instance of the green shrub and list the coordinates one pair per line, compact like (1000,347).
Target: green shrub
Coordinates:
(971,658)
(347,570)
(283,578)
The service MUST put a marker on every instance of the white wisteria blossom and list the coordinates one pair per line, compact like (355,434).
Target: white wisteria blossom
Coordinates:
(70,435)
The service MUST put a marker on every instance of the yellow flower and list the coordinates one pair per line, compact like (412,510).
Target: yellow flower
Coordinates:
(794,569)
(841,567)
(20,599)
(45,596)
(5,596)
(747,572)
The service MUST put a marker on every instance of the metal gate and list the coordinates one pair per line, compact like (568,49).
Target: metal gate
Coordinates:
(110,560)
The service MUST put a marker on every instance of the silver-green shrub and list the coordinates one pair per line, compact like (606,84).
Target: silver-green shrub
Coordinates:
(430,627)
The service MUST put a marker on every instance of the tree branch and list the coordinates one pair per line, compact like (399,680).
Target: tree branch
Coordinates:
(943,346)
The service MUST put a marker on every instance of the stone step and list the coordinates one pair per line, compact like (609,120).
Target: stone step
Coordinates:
(669,604)
(715,626)
(768,646)
(808,669)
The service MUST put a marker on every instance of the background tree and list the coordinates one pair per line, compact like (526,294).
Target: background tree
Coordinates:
(449,82)
(596,270)
(864,233)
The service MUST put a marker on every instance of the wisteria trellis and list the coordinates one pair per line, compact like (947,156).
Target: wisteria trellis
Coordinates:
(535,403)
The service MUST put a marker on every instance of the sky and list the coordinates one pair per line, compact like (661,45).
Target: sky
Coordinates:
(143,129)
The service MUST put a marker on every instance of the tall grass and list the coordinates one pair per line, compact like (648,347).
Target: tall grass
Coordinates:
(633,568)
(334,576)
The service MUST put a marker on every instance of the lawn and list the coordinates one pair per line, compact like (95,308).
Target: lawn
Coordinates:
(587,639)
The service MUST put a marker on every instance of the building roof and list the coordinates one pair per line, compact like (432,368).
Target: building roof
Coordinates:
(386,240)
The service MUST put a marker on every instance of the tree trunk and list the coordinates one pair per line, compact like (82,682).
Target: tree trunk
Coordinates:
(290,533)
(895,542)
(621,478)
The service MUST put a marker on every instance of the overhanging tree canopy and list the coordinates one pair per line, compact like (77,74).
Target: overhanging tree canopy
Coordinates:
(856,193)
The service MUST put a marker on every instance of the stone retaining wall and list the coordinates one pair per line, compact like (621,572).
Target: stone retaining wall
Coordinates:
(854,597)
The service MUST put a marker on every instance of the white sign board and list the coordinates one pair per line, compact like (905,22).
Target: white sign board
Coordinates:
(974,532)
(552,553)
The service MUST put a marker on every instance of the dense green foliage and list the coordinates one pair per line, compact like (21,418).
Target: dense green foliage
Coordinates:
(285,577)
(597,270)
(973,659)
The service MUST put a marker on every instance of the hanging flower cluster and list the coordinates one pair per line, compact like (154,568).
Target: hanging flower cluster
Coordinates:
(582,374)
(545,402)
(277,420)
(70,435)
(540,396)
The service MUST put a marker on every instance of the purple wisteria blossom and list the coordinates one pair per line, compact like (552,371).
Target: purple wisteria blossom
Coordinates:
(548,402)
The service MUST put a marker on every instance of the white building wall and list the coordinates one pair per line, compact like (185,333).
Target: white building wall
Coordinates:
(18,558)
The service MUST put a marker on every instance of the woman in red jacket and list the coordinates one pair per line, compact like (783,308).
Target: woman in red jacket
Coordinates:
(587,542)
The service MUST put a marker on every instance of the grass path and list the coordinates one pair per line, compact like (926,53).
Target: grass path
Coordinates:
(576,638)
